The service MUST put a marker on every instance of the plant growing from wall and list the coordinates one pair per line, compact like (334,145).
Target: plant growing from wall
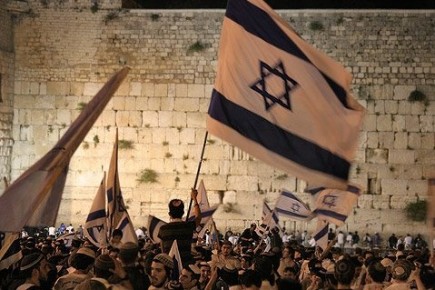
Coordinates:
(96,140)
(185,156)
(125,144)
(155,17)
(418,96)
(85,145)
(417,210)
(281,177)
(94,7)
(316,25)
(148,176)
(196,47)
(165,143)
(168,155)
(211,141)
(81,106)
(112,15)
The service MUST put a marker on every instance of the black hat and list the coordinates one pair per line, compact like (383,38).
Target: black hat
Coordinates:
(31,261)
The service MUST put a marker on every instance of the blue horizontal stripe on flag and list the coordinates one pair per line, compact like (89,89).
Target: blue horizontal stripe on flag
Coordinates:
(274,138)
(321,233)
(270,32)
(96,215)
(331,214)
(350,188)
(290,195)
(290,213)
(124,223)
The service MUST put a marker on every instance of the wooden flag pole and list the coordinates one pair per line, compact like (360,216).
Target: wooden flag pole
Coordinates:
(197,173)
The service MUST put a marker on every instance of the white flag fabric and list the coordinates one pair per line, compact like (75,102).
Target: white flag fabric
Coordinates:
(202,197)
(117,215)
(289,205)
(335,205)
(154,224)
(281,100)
(67,239)
(321,234)
(95,229)
(34,198)
(174,253)
(271,215)
(204,206)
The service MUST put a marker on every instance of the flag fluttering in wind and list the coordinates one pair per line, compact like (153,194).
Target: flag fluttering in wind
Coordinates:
(281,100)
(154,224)
(321,234)
(10,252)
(117,215)
(269,220)
(174,253)
(204,206)
(289,205)
(34,198)
(335,205)
(95,228)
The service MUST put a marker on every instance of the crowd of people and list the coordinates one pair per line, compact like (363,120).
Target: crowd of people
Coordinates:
(237,261)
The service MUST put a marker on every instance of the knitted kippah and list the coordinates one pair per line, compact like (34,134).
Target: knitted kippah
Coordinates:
(402,269)
(344,267)
(30,261)
(165,260)
(105,262)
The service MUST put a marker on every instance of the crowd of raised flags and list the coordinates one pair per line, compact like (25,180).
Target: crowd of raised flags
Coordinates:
(275,97)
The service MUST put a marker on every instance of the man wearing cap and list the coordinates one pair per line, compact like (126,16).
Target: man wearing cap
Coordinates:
(82,261)
(33,268)
(110,273)
(161,270)
(180,230)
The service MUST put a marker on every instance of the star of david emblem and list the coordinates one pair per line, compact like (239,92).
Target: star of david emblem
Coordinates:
(120,203)
(295,207)
(330,200)
(274,85)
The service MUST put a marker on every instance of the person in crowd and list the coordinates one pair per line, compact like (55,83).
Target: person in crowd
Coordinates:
(220,258)
(205,272)
(82,261)
(249,236)
(189,277)
(344,273)
(392,241)
(161,270)
(33,269)
(179,229)
(115,240)
(375,276)
(128,256)
(250,280)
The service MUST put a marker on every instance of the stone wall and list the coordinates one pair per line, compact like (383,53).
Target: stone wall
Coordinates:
(64,54)
(6,93)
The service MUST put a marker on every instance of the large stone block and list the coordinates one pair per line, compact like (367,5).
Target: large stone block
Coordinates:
(186,104)
(401,156)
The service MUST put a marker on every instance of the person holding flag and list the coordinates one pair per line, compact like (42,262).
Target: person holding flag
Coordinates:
(179,229)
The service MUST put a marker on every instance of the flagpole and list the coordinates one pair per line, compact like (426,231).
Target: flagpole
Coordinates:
(197,173)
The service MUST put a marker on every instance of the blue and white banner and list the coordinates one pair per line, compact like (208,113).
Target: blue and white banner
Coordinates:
(281,100)
(289,205)
(95,229)
(335,205)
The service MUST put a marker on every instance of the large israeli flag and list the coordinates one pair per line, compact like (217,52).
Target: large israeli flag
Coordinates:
(281,100)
